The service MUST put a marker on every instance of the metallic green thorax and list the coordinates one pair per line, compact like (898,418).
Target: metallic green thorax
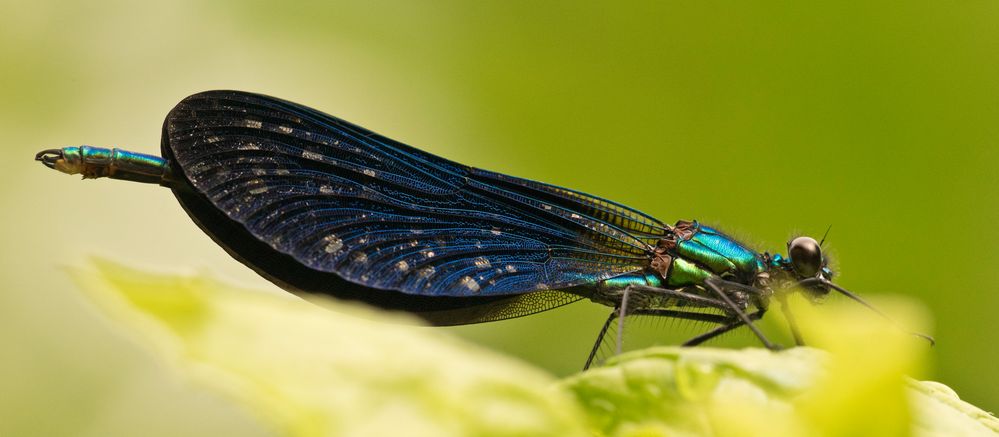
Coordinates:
(690,254)
(698,252)
(685,259)
(711,252)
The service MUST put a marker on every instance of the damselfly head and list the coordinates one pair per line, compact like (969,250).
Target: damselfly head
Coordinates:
(806,261)
(806,257)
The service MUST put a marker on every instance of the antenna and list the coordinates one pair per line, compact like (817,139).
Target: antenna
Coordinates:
(825,235)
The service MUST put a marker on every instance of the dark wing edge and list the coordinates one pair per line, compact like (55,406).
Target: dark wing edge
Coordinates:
(291,275)
(312,186)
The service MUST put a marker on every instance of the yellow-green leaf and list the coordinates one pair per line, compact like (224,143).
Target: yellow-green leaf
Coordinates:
(321,368)
(856,386)
(327,368)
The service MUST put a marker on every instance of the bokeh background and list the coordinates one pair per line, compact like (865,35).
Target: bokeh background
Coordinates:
(767,119)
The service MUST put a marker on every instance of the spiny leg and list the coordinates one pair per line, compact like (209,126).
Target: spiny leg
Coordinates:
(600,339)
(681,295)
(620,318)
(686,315)
(727,322)
(825,282)
(710,283)
(732,324)
(791,323)
(622,310)
(728,305)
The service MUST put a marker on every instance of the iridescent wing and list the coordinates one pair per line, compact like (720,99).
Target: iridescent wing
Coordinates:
(341,199)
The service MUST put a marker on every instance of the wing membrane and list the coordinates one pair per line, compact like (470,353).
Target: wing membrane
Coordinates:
(341,199)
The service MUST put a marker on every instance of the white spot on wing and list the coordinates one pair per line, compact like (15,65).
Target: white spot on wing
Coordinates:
(481,263)
(402,266)
(469,283)
(308,154)
(259,186)
(369,172)
(333,243)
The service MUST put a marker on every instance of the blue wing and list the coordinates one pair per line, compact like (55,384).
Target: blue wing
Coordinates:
(341,199)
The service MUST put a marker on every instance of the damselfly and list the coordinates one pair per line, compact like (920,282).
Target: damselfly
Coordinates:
(316,204)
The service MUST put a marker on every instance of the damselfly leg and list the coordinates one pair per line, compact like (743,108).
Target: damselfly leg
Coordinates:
(819,281)
(716,286)
(732,324)
(600,338)
(659,292)
(620,319)
(792,324)
(676,314)
(733,317)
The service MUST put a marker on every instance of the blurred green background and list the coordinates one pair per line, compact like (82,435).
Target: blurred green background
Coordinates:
(767,119)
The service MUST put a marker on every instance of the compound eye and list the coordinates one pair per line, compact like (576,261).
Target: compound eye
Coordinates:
(806,256)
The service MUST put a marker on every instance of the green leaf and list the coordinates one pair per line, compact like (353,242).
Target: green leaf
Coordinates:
(322,368)
(328,368)
(855,387)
